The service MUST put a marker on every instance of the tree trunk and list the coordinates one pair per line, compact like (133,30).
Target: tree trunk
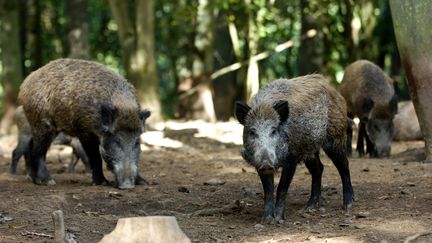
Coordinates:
(77,29)
(136,33)
(311,50)
(252,76)
(411,19)
(34,35)
(224,86)
(144,61)
(199,105)
(12,73)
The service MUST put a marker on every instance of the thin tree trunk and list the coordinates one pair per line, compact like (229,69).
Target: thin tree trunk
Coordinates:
(411,19)
(34,35)
(200,105)
(311,50)
(77,29)
(225,85)
(145,61)
(12,73)
(252,76)
(136,33)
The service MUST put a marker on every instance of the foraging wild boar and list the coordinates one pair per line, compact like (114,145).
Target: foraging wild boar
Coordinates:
(288,121)
(370,95)
(406,124)
(24,139)
(86,100)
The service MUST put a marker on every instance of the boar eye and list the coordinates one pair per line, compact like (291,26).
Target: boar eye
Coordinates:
(273,131)
(253,133)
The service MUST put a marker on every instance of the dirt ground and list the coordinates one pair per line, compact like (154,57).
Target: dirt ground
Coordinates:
(393,196)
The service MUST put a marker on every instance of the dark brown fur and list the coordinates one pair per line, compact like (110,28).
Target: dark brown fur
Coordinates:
(370,95)
(89,101)
(288,121)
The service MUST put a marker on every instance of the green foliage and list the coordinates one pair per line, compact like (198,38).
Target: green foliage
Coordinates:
(276,21)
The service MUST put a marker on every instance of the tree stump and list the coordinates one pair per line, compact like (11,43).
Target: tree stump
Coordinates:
(146,229)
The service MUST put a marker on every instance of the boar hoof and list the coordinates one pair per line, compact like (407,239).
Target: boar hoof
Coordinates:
(348,207)
(103,182)
(279,220)
(44,181)
(139,180)
(268,220)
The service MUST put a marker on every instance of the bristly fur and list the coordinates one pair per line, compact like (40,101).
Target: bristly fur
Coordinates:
(363,79)
(67,104)
(317,114)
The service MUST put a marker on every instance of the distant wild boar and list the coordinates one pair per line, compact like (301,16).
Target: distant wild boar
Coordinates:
(406,124)
(24,139)
(370,95)
(288,121)
(86,100)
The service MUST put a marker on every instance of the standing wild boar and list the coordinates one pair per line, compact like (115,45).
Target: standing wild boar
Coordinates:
(370,95)
(86,100)
(24,140)
(288,121)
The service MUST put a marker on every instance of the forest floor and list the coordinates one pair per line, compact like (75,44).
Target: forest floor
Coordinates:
(393,195)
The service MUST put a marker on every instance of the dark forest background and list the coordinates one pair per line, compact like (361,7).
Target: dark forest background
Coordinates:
(179,54)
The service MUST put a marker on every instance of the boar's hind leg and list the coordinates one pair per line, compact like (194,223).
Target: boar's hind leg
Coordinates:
(39,147)
(285,180)
(360,139)
(91,148)
(267,180)
(22,148)
(338,156)
(316,169)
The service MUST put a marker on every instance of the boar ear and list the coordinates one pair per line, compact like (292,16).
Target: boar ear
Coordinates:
(108,114)
(143,115)
(393,104)
(367,106)
(241,110)
(282,109)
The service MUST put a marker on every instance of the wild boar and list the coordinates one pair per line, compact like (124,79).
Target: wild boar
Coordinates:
(287,122)
(87,100)
(370,96)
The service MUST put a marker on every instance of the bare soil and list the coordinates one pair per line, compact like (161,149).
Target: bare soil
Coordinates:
(393,197)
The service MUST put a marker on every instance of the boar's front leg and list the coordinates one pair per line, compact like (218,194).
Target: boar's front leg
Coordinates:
(90,144)
(267,180)
(285,180)
(315,168)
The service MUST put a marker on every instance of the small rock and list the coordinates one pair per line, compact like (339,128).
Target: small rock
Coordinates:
(365,169)
(385,197)
(115,194)
(405,192)
(219,165)
(395,169)
(411,184)
(259,226)
(73,229)
(359,226)
(231,227)
(297,223)
(244,170)
(183,189)
(250,192)
(346,223)
(214,182)
(322,209)
(4,219)
(361,215)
